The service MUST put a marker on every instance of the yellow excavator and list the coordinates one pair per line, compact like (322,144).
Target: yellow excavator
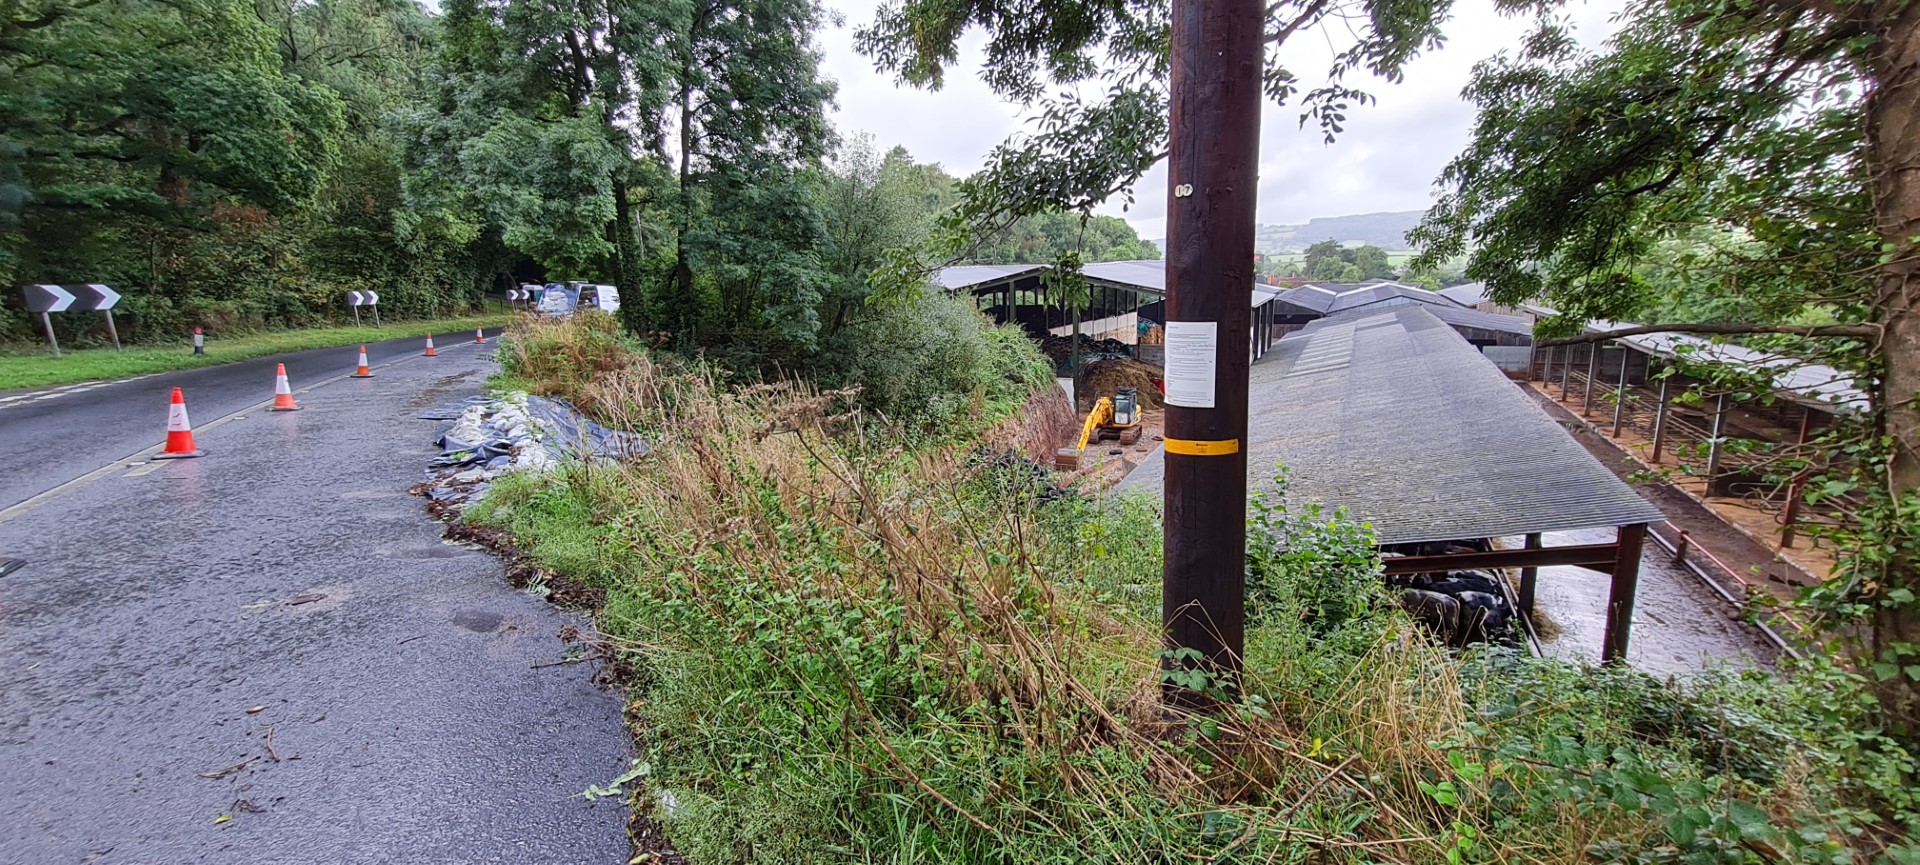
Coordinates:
(1116,417)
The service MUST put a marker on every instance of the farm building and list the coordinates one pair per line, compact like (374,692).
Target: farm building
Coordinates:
(1397,418)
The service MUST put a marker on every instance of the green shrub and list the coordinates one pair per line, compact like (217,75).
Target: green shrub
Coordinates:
(934,361)
(561,357)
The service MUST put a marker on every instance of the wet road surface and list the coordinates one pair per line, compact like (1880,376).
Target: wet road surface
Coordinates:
(412,707)
(1679,625)
(55,434)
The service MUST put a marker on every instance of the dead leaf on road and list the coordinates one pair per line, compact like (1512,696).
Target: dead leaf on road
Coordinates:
(255,710)
(305,598)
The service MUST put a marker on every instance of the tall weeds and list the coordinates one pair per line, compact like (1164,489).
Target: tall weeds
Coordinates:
(843,650)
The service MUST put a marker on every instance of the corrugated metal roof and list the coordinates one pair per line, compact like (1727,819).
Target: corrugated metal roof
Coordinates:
(1148,275)
(1332,297)
(1792,377)
(1814,384)
(1461,317)
(965,276)
(1469,294)
(1398,418)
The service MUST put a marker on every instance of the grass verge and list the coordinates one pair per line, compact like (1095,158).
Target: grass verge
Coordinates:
(842,648)
(20,368)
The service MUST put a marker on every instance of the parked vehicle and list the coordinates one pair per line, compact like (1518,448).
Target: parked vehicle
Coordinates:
(605,298)
(556,301)
(563,300)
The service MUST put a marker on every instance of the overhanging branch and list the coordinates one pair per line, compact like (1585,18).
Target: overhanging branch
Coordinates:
(1856,331)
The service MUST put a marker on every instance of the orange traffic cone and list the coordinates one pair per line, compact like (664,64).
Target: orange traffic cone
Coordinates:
(179,432)
(282,394)
(478,337)
(430,351)
(362,371)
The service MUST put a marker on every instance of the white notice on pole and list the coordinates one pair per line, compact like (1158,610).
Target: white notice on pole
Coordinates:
(1192,363)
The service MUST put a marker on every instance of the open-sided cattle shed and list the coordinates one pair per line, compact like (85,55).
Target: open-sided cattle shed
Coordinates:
(1395,417)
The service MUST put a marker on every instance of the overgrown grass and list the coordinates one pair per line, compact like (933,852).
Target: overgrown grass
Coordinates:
(560,357)
(21,367)
(842,649)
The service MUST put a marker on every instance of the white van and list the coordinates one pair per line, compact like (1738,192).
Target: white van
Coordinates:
(605,298)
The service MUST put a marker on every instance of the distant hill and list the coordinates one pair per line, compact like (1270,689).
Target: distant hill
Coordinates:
(1385,230)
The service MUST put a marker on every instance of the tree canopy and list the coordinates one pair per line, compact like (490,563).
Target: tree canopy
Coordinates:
(1744,168)
(1094,74)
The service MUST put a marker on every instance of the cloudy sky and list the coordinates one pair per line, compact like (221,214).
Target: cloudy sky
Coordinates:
(1386,160)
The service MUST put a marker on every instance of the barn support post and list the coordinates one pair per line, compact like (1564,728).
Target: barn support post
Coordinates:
(1626,581)
(1593,371)
(1660,420)
(1529,578)
(1713,440)
(1798,485)
(1620,393)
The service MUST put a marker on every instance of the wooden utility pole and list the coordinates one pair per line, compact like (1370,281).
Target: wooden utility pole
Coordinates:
(1212,179)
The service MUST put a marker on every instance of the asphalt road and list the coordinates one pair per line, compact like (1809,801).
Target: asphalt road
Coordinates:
(52,435)
(412,705)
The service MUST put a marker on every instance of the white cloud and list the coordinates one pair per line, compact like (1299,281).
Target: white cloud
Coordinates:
(1386,159)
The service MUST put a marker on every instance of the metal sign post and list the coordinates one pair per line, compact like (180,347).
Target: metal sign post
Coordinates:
(46,300)
(369,299)
(94,297)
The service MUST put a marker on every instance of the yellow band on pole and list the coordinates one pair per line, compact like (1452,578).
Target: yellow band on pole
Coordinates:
(1203,449)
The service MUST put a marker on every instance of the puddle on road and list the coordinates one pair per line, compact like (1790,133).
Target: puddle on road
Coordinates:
(478,621)
(437,551)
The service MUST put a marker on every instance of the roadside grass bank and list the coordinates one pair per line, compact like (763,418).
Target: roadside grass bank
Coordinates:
(843,645)
(22,366)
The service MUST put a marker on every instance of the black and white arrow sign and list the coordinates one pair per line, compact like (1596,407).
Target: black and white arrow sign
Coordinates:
(48,298)
(93,297)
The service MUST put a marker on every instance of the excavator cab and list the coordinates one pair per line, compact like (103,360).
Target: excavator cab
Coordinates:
(1126,407)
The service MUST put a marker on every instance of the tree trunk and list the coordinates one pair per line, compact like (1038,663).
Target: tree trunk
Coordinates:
(1893,159)
(682,302)
(625,262)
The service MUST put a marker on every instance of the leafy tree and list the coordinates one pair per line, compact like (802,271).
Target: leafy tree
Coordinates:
(871,204)
(1089,150)
(1372,263)
(729,93)
(124,105)
(1046,237)
(519,138)
(131,131)
(1325,260)
(1329,261)
(1789,130)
